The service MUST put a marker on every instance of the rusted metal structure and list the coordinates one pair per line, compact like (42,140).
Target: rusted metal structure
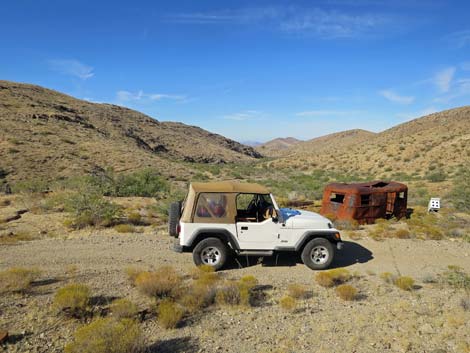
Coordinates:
(365,202)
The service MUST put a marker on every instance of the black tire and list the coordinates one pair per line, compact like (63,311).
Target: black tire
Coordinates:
(212,252)
(318,254)
(174,214)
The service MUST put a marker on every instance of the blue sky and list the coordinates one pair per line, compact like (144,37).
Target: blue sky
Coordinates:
(250,70)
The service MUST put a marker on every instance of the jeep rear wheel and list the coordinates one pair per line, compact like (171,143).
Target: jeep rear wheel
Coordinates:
(212,252)
(174,214)
(318,254)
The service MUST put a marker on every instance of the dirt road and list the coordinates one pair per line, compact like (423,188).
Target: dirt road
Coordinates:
(385,319)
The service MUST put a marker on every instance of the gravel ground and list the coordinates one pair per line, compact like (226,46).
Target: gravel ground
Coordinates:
(384,319)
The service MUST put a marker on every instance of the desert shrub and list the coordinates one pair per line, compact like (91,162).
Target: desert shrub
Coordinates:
(465,303)
(248,281)
(144,183)
(31,186)
(73,299)
(5,202)
(132,273)
(436,176)
(404,282)
(124,228)
(169,313)
(402,233)
(456,277)
(17,279)
(197,296)
(228,294)
(202,271)
(124,309)
(333,277)
(347,224)
(163,283)
(17,236)
(288,303)
(460,194)
(233,293)
(297,291)
(134,218)
(387,277)
(346,292)
(91,209)
(106,335)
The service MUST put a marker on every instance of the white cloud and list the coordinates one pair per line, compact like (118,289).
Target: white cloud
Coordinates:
(291,19)
(126,96)
(460,39)
(396,98)
(244,115)
(443,79)
(461,88)
(73,68)
(320,113)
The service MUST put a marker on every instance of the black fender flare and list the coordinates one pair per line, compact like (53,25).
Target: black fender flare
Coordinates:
(309,235)
(220,233)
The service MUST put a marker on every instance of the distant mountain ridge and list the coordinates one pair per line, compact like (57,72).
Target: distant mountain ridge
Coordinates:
(57,135)
(276,146)
(438,142)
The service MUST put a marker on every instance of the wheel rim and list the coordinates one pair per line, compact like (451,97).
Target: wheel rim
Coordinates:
(319,255)
(210,255)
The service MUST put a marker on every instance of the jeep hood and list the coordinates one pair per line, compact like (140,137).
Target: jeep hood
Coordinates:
(300,219)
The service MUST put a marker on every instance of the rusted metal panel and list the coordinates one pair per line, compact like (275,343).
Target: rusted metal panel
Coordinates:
(365,202)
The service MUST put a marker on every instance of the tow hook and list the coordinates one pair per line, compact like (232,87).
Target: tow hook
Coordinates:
(339,245)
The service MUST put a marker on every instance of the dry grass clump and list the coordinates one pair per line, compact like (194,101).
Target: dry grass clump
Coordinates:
(404,282)
(163,283)
(124,228)
(73,299)
(170,313)
(107,335)
(18,279)
(456,277)
(132,273)
(402,233)
(124,309)
(333,277)
(228,294)
(288,303)
(346,292)
(297,291)
(248,281)
(387,277)
(16,237)
(134,218)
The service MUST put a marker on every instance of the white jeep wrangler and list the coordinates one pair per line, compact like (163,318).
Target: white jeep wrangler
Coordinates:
(220,219)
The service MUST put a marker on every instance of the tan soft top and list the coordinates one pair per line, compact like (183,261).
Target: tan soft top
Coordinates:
(229,186)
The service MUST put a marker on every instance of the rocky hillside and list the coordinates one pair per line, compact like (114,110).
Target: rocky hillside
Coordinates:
(277,146)
(55,135)
(439,142)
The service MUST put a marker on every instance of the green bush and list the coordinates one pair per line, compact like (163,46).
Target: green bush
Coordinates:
(89,208)
(145,183)
(460,194)
(108,336)
(436,176)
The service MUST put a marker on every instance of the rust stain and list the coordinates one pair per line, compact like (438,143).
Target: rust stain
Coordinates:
(365,202)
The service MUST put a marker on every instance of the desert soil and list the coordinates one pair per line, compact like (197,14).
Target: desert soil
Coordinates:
(385,318)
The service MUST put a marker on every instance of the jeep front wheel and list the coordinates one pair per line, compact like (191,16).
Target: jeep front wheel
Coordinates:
(318,254)
(212,252)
